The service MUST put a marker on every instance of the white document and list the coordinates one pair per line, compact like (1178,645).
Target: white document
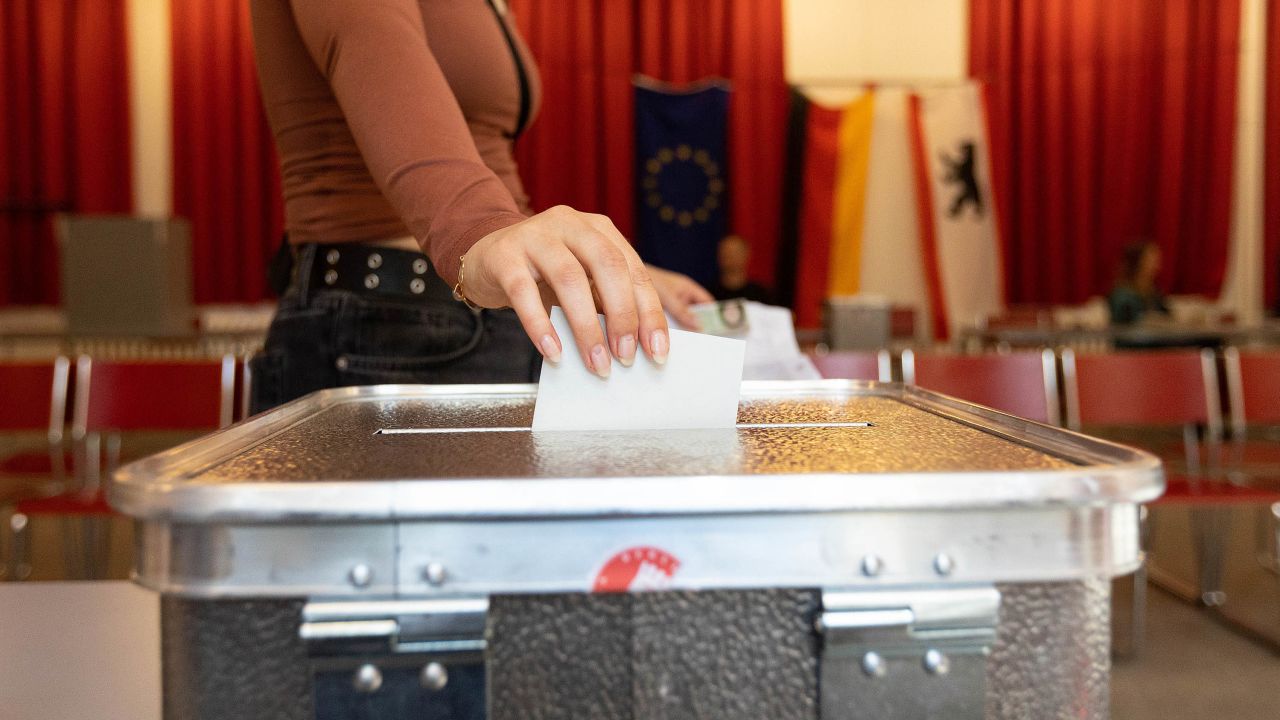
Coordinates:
(697,388)
(772,350)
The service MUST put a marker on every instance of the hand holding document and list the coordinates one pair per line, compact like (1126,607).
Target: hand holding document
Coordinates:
(697,388)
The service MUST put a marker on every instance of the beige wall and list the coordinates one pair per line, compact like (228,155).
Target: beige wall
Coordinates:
(830,42)
(150,93)
(1243,291)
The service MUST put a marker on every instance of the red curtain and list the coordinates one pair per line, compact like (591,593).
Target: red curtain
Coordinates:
(580,150)
(225,174)
(64,121)
(1271,223)
(1110,121)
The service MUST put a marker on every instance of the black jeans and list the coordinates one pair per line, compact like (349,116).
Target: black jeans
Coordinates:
(324,338)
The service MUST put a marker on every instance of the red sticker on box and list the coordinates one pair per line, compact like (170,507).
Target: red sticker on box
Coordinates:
(637,569)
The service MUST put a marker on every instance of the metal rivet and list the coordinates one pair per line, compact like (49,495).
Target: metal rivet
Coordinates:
(434,676)
(361,575)
(420,266)
(330,276)
(417,286)
(873,665)
(342,362)
(371,281)
(368,679)
(434,573)
(375,261)
(935,663)
(872,565)
(331,257)
(943,564)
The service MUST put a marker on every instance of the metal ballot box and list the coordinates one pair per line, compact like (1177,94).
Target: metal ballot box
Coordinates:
(850,550)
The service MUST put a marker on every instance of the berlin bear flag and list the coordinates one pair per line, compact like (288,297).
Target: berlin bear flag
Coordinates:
(680,175)
(956,207)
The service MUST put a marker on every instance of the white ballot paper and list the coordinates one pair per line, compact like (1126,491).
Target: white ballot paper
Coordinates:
(697,387)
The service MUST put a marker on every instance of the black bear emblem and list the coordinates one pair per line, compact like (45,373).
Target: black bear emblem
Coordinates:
(960,172)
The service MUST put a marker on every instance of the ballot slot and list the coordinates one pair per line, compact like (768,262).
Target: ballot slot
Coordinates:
(739,426)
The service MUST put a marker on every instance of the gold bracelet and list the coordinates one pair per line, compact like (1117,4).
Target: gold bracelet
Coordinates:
(458,293)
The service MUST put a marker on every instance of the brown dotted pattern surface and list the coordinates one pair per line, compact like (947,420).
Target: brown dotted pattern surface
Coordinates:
(340,443)
(673,656)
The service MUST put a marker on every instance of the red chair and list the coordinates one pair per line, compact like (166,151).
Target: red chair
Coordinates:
(1169,389)
(1253,391)
(1161,388)
(1155,389)
(121,396)
(34,401)
(1022,383)
(855,365)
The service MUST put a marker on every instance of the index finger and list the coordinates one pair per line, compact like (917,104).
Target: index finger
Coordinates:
(653,329)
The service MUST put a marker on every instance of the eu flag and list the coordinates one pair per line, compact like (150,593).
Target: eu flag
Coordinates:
(680,176)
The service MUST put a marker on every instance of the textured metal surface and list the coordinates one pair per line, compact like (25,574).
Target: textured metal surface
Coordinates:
(555,657)
(704,655)
(661,655)
(341,440)
(656,656)
(1052,657)
(472,455)
(229,660)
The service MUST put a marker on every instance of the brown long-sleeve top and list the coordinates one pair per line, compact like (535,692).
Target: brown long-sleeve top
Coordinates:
(394,118)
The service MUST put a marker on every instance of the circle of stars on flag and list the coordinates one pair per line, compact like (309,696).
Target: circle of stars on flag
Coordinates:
(684,217)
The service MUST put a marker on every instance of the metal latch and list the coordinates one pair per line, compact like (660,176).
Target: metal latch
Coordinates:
(906,654)
(436,627)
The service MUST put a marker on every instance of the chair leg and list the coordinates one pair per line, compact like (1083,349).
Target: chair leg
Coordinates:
(1269,542)
(18,527)
(1211,526)
(1138,633)
(101,559)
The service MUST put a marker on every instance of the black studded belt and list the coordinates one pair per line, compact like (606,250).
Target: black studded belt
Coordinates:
(368,268)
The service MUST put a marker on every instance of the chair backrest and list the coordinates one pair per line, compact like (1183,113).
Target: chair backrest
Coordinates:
(33,396)
(855,365)
(1020,383)
(149,395)
(1158,387)
(1253,386)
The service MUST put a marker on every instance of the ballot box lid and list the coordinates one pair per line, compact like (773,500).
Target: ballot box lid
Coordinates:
(404,471)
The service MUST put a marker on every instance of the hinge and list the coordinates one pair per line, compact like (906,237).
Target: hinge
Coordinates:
(434,627)
(911,653)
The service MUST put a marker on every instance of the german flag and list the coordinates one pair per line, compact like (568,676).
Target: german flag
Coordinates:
(820,248)
(888,196)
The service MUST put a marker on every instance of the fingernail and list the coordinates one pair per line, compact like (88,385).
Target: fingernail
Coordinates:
(627,350)
(600,361)
(658,347)
(550,349)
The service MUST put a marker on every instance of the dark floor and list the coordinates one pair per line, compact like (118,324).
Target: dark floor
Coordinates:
(1194,667)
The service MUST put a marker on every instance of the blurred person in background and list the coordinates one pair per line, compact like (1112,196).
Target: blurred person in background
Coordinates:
(733,255)
(1135,297)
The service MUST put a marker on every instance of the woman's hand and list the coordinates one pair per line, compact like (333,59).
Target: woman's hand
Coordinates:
(677,292)
(573,257)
